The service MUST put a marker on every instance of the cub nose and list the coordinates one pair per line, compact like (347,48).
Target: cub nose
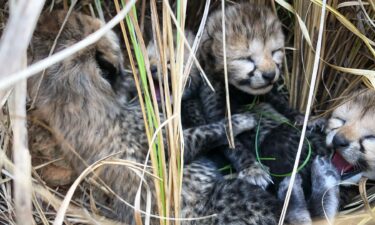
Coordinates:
(340,141)
(269,76)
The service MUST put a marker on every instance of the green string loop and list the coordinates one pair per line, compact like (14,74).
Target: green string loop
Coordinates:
(259,159)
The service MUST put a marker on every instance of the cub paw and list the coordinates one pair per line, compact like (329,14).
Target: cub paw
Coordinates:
(323,173)
(257,175)
(325,190)
(284,185)
(317,124)
(312,125)
(243,122)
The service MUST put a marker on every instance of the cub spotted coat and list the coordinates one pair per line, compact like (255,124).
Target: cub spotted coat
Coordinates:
(77,99)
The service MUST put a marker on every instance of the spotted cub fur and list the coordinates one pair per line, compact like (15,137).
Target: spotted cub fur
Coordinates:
(77,99)
(254,53)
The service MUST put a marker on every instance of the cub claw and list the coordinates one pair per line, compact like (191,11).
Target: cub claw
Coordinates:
(257,175)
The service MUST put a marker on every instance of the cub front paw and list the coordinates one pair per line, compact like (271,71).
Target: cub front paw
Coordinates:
(323,173)
(243,122)
(257,175)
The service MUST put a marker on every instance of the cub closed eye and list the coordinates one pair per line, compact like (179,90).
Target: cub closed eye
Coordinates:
(279,50)
(367,142)
(372,137)
(248,59)
(341,120)
(336,122)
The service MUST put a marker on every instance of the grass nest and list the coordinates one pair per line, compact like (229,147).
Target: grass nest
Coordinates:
(347,63)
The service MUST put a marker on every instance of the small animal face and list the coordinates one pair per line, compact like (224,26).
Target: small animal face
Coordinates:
(193,78)
(254,47)
(257,68)
(351,132)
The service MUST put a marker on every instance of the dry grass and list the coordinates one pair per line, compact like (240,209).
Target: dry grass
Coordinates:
(347,62)
(341,47)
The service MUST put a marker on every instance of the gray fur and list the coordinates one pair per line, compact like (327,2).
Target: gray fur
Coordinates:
(297,212)
(324,201)
(77,100)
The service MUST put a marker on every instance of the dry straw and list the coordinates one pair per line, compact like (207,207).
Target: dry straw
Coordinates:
(14,57)
(307,114)
(342,61)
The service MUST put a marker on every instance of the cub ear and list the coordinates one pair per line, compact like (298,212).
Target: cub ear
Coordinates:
(110,72)
(50,22)
(205,53)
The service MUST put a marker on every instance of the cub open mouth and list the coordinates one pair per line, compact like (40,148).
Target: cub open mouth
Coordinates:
(157,90)
(159,87)
(346,169)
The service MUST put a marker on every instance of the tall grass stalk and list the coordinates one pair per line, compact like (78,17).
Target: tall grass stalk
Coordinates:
(307,112)
(14,57)
(146,105)
(168,186)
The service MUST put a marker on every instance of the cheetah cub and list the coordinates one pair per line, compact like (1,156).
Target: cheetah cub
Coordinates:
(351,133)
(254,51)
(254,44)
(77,99)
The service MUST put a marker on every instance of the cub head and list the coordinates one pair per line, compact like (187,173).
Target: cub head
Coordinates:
(351,133)
(254,47)
(90,74)
(193,79)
